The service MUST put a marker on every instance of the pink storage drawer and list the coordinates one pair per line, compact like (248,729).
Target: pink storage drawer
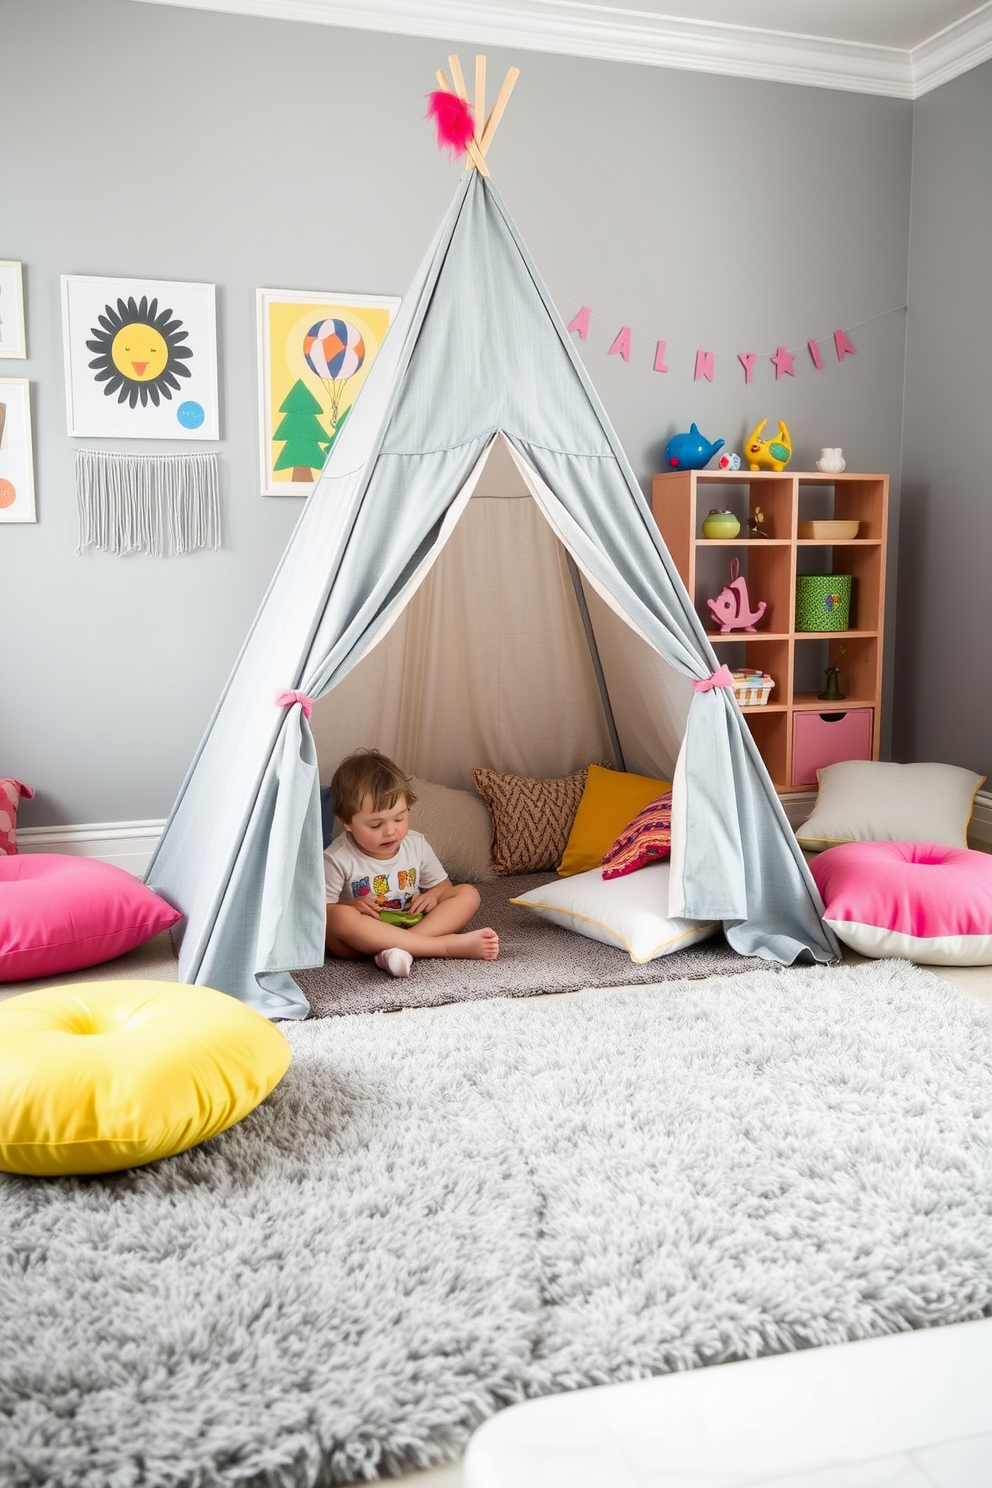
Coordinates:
(821,739)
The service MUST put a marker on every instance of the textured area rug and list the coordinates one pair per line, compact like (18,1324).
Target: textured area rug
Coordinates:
(534,958)
(436,1214)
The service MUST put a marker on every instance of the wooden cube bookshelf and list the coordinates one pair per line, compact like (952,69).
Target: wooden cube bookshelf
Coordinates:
(797,660)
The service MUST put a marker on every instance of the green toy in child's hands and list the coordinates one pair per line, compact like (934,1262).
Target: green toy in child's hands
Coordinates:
(400,917)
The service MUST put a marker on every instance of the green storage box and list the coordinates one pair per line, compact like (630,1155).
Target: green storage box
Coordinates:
(823,601)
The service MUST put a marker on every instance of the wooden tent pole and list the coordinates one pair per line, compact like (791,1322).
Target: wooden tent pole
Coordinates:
(480,97)
(498,107)
(457,78)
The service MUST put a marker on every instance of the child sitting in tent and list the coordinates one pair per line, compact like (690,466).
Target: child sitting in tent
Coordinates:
(388,896)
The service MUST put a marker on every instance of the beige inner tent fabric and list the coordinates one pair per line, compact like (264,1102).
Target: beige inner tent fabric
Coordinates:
(489,663)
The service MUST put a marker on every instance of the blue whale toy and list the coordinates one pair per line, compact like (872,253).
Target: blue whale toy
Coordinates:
(690,451)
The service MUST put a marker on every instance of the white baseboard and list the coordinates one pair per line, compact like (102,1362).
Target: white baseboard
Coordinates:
(130,844)
(798,806)
(980,827)
(125,844)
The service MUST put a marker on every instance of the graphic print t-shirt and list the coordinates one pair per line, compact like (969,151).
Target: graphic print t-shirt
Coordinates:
(388,883)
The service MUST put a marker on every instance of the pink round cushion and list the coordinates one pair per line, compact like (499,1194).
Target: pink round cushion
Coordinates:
(60,913)
(919,900)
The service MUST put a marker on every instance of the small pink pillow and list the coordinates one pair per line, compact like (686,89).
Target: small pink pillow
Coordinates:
(60,913)
(11,792)
(922,901)
(644,840)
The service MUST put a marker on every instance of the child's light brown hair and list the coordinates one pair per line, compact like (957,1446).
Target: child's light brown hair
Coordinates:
(368,781)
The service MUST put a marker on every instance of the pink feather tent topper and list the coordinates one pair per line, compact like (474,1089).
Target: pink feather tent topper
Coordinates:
(452,120)
(459,124)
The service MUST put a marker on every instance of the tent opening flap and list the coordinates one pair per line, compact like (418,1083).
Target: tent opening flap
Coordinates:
(502,658)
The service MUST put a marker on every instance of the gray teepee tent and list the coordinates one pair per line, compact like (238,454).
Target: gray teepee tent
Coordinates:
(477,360)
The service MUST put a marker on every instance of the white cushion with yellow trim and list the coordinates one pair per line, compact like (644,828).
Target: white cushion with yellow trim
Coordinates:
(875,801)
(629,912)
(104,1075)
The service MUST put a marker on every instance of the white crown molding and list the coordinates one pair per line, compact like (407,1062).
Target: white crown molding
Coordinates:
(951,52)
(574,28)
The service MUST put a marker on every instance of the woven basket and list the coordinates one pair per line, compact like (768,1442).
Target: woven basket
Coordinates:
(752,687)
(823,601)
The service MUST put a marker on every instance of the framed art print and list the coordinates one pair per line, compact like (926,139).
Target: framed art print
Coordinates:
(314,353)
(140,358)
(16,460)
(13,342)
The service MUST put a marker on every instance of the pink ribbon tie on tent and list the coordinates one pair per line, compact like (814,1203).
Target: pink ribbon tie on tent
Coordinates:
(722,677)
(287,699)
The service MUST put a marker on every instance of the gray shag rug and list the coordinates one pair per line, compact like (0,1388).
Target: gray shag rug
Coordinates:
(535,957)
(437,1214)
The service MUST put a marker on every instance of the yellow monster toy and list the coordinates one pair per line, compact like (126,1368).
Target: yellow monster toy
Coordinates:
(768,454)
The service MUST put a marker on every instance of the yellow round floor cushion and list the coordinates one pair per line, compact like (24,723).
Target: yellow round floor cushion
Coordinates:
(104,1075)
(611,799)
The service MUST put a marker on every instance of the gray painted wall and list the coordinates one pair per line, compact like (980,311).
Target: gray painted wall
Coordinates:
(943,676)
(152,141)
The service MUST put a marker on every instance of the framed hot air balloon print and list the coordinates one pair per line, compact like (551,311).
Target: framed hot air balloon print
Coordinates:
(140,358)
(314,353)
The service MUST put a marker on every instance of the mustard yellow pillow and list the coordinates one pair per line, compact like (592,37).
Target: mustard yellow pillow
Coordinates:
(610,800)
(104,1075)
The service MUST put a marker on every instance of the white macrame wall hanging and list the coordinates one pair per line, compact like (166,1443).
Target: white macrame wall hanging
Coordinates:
(162,505)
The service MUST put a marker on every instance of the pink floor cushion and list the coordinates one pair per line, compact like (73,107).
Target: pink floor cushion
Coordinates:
(921,901)
(60,913)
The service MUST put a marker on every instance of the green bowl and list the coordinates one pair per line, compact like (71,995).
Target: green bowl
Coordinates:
(721,524)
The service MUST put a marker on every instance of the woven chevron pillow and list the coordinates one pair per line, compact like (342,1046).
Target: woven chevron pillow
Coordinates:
(531,818)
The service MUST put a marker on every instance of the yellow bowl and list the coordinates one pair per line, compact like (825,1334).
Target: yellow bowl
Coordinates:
(829,531)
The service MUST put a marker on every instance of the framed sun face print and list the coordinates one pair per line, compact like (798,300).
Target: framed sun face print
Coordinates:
(315,349)
(140,358)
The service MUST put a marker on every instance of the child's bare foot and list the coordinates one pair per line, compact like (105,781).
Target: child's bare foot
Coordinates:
(473,945)
(396,961)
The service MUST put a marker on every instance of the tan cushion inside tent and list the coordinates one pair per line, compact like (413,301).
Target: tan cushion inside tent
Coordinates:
(457,826)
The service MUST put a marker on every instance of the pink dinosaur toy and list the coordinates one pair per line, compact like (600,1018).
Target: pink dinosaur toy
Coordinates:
(732,609)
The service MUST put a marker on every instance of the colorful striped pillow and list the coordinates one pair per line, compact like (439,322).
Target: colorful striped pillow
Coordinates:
(644,840)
